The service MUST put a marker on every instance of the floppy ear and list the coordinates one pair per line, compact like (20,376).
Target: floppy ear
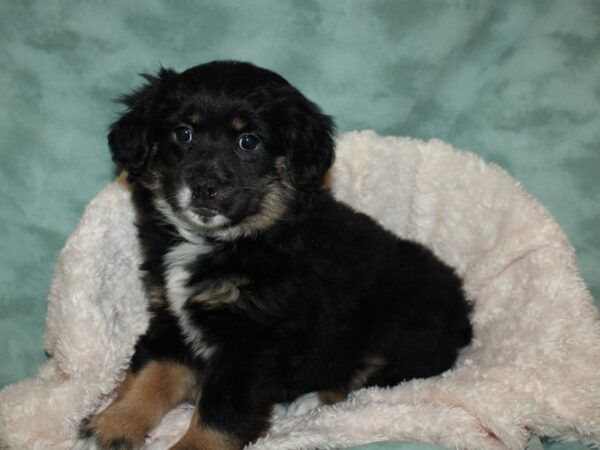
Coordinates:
(131,138)
(308,141)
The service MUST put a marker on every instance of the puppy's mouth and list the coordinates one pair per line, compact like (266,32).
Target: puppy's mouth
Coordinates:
(189,218)
(199,215)
(205,218)
(203,212)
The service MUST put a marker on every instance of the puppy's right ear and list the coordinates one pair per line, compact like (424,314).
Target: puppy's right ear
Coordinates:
(131,138)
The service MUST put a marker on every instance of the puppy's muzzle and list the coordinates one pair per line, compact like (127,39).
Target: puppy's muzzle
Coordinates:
(208,186)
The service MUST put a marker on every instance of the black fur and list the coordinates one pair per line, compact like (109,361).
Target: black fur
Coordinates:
(323,297)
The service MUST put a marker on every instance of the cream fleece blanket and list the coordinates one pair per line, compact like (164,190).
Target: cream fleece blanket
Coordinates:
(533,368)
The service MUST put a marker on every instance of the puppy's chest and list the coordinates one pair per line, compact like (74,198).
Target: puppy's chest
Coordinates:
(189,292)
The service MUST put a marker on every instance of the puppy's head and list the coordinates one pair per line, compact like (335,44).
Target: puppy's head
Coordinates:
(223,147)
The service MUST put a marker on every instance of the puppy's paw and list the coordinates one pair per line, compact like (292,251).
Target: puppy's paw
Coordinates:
(92,444)
(304,404)
(112,429)
(86,443)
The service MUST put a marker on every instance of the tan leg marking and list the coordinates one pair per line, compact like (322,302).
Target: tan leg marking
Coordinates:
(143,399)
(201,437)
(372,365)
(329,397)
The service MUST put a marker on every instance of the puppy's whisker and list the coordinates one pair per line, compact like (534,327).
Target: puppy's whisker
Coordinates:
(173,198)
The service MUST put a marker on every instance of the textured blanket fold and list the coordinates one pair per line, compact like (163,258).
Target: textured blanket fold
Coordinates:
(533,367)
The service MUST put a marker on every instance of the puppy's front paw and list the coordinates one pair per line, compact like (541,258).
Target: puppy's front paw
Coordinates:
(304,404)
(112,429)
(85,443)
(92,444)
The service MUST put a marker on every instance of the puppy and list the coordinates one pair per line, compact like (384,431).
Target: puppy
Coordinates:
(261,286)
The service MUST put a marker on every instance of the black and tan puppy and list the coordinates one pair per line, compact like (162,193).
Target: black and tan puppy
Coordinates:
(261,286)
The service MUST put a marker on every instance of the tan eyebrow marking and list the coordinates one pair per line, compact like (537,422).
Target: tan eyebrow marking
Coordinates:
(195,118)
(239,124)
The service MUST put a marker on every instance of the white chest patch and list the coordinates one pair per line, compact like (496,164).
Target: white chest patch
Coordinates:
(178,262)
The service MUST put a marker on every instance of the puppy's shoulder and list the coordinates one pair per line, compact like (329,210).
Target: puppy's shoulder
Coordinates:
(342,219)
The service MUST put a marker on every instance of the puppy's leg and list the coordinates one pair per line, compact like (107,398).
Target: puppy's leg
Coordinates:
(200,436)
(142,400)
(234,409)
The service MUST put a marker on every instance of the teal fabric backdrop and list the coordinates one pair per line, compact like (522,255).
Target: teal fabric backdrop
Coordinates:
(517,82)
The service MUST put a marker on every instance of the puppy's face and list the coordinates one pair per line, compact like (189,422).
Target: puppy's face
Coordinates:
(223,147)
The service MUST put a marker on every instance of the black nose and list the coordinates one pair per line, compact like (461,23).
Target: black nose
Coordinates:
(204,189)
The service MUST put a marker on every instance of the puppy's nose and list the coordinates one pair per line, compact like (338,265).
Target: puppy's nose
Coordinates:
(204,189)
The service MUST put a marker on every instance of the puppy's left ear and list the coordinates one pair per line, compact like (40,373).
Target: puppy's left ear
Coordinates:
(131,138)
(308,137)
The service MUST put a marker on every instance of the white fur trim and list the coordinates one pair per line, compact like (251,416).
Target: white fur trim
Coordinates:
(177,262)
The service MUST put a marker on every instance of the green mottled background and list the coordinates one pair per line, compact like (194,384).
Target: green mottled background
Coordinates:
(515,81)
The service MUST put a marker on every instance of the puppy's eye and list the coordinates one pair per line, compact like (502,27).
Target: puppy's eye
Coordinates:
(183,134)
(248,142)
